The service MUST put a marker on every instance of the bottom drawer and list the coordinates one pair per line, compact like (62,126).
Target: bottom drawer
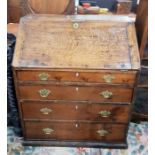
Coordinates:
(75,131)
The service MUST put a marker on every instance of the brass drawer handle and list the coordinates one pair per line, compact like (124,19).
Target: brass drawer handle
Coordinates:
(46,111)
(44,92)
(108,78)
(47,131)
(43,76)
(102,132)
(106,94)
(105,113)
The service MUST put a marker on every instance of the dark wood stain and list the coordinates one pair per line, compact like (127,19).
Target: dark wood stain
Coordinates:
(77,131)
(75,111)
(89,93)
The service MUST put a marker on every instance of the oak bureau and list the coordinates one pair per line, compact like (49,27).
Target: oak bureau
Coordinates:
(74,78)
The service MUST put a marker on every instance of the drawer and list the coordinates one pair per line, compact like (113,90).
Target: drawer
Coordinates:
(75,111)
(75,131)
(66,92)
(116,77)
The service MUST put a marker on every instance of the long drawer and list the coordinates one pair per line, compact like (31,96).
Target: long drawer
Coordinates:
(116,77)
(75,111)
(75,131)
(65,92)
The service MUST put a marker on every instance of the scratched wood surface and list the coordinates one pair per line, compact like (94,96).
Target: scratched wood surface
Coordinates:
(99,42)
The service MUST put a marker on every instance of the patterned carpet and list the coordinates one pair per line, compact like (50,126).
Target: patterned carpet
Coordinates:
(137,141)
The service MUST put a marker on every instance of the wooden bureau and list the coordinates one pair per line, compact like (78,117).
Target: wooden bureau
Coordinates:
(75,77)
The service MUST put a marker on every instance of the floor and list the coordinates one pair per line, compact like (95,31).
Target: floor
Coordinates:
(137,145)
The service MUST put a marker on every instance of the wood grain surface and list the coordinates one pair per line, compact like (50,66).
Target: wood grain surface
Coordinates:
(97,43)
(67,110)
(75,131)
(85,93)
(118,77)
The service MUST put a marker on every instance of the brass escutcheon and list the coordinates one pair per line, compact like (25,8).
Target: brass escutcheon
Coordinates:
(102,132)
(43,76)
(44,92)
(75,25)
(47,131)
(106,94)
(46,111)
(105,113)
(108,78)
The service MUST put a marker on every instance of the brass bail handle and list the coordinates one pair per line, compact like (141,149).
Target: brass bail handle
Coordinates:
(43,76)
(44,92)
(106,94)
(46,111)
(102,132)
(108,78)
(104,113)
(47,131)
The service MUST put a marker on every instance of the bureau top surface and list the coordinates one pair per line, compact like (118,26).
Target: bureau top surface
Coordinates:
(76,42)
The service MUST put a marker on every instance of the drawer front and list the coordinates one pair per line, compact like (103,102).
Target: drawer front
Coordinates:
(75,111)
(117,77)
(62,92)
(75,131)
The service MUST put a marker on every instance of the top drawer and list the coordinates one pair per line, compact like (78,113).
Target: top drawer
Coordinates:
(110,77)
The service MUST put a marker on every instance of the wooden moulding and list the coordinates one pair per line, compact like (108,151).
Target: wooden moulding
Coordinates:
(18,100)
(76,144)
